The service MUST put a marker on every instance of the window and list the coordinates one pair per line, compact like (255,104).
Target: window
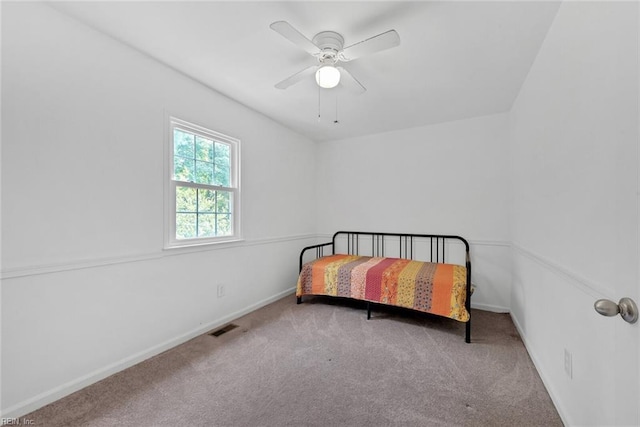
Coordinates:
(204,189)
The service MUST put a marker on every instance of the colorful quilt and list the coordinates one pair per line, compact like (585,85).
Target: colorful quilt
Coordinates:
(429,287)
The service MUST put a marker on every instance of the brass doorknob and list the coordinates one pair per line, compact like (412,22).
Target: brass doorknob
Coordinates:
(627,309)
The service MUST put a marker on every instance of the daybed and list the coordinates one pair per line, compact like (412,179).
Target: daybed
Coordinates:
(384,268)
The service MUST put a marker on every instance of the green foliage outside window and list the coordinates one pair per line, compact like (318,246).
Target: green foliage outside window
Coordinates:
(202,212)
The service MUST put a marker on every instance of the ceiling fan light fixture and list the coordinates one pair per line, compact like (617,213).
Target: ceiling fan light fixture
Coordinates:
(327,76)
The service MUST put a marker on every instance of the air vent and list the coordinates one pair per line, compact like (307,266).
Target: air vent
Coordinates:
(223,330)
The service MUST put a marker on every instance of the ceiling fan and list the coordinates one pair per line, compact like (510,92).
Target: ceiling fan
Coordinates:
(328,48)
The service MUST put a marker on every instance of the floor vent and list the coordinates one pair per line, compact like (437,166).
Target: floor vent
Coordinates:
(223,330)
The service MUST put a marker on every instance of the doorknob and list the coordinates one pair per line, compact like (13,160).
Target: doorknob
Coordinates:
(627,309)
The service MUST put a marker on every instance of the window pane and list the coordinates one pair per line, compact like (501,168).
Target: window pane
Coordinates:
(203,165)
(185,199)
(204,172)
(183,169)
(185,226)
(206,201)
(225,226)
(223,199)
(204,149)
(207,225)
(182,143)
(222,162)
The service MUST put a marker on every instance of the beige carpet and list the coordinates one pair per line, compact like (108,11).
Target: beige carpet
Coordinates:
(322,363)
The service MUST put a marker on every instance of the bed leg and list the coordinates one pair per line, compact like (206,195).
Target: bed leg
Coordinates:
(467,337)
(299,300)
(368,310)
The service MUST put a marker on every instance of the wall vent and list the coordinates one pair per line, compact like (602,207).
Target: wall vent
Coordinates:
(223,330)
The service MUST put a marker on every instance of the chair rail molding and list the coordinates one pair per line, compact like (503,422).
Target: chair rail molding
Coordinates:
(33,270)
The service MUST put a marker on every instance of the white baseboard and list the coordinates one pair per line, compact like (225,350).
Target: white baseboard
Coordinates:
(50,396)
(548,384)
(489,307)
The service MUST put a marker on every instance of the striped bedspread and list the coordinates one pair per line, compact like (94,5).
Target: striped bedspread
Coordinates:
(429,287)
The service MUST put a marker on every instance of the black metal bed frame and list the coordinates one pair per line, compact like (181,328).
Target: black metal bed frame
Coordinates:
(406,250)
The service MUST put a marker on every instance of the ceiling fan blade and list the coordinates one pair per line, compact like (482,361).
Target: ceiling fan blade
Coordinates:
(297,77)
(350,82)
(371,45)
(294,36)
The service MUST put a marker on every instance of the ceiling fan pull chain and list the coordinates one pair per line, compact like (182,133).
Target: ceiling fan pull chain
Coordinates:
(335,122)
(319,103)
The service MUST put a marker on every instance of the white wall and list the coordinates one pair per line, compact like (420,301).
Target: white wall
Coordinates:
(449,178)
(86,287)
(574,214)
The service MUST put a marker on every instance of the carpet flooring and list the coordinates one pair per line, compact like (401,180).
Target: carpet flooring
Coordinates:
(322,363)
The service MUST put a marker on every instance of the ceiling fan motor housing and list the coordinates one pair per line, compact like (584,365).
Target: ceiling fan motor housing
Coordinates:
(330,43)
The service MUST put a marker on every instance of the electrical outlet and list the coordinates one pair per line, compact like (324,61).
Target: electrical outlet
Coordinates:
(568,363)
(222,291)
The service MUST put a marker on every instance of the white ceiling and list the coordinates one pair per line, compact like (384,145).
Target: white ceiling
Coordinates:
(456,59)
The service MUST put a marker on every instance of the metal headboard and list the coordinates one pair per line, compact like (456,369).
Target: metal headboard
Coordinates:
(425,247)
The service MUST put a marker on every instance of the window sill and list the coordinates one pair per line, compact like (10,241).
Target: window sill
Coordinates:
(203,245)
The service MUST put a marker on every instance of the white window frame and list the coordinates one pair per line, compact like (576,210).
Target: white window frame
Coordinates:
(170,185)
